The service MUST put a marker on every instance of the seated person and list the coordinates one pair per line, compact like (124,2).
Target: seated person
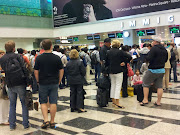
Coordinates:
(137,78)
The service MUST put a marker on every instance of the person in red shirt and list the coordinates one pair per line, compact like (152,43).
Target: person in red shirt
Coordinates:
(20,51)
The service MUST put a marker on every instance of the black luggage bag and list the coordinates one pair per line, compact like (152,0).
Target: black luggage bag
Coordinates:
(140,93)
(29,100)
(102,97)
(103,82)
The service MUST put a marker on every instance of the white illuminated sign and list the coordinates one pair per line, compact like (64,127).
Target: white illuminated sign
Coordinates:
(158,20)
(126,34)
(65,42)
(146,22)
(171,18)
(122,24)
(132,23)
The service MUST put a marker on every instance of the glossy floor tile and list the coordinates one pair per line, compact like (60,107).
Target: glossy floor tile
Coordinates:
(133,120)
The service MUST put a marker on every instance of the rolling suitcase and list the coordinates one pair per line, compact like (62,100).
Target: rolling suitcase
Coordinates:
(102,97)
(140,93)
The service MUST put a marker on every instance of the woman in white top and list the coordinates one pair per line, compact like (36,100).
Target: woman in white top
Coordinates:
(4,104)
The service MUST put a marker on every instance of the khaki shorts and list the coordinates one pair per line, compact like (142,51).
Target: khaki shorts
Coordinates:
(155,78)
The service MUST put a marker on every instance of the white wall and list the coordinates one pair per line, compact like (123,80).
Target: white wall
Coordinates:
(7,32)
(20,43)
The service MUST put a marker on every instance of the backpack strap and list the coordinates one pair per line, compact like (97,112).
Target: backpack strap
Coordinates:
(62,56)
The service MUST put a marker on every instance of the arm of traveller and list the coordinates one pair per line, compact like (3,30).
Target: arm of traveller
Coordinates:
(98,57)
(102,55)
(61,70)
(61,73)
(151,54)
(142,68)
(127,58)
(36,74)
(36,70)
(176,54)
(88,58)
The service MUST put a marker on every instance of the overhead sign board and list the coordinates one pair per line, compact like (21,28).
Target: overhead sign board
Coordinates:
(67,12)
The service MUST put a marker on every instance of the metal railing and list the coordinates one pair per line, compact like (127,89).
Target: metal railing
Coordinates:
(22,11)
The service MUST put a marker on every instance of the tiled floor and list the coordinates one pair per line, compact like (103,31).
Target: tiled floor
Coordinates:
(133,120)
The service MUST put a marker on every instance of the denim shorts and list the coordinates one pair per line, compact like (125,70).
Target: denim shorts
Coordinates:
(50,91)
(155,78)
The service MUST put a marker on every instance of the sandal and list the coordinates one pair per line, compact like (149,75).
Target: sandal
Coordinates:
(156,104)
(5,124)
(143,104)
(119,106)
(45,125)
(52,125)
(81,111)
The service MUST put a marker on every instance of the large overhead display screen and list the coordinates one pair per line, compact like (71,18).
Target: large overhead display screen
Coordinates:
(68,12)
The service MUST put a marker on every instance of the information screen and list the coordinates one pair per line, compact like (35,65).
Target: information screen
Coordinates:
(75,39)
(141,33)
(97,37)
(119,35)
(57,41)
(112,35)
(151,32)
(174,30)
(89,37)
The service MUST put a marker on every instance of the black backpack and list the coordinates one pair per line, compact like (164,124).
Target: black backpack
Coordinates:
(93,59)
(14,71)
(104,82)
(173,56)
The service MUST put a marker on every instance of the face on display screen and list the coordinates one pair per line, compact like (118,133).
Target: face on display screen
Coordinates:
(68,12)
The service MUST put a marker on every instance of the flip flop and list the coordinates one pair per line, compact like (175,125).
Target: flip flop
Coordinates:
(143,104)
(156,104)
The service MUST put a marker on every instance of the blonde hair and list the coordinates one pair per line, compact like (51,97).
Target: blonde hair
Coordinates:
(9,46)
(2,52)
(74,54)
(116,43)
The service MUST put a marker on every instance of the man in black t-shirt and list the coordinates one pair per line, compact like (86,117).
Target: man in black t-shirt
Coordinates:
(48,71)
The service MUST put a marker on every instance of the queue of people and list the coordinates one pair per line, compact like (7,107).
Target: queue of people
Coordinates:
(53,67)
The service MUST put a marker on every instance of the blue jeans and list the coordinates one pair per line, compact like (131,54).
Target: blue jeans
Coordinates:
(13,92)
(97,70)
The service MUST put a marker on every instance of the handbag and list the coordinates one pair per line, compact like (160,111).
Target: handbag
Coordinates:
(3,92)
(130,71)
(29,99)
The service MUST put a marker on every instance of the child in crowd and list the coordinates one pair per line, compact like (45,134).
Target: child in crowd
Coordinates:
(137,78)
